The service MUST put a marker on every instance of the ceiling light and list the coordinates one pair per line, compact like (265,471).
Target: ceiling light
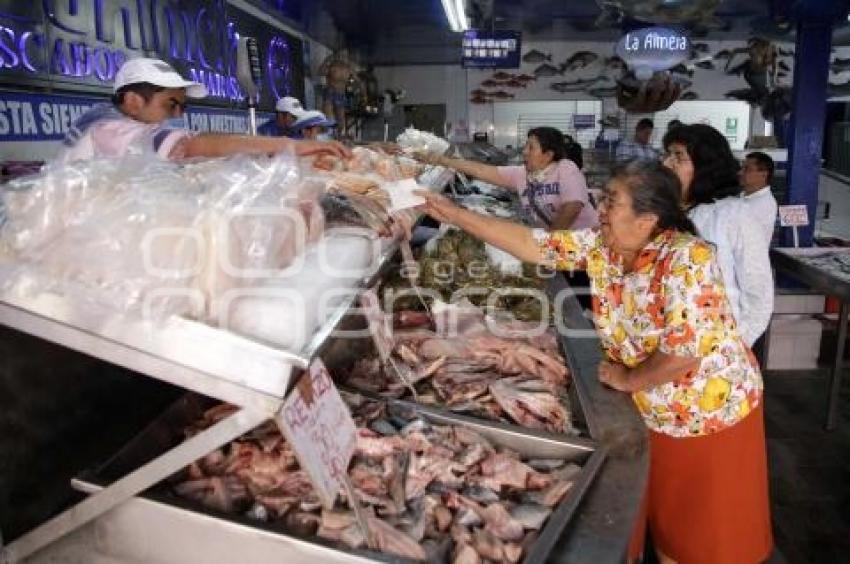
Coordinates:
(460,8)
(456,14)
(450,14)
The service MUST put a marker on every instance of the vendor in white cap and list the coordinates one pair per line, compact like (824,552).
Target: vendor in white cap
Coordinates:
(312,125)
(149,92)
(287,112)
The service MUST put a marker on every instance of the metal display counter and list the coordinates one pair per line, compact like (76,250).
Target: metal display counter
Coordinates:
(185,353)
(188,521)
(825,270)
(592,525)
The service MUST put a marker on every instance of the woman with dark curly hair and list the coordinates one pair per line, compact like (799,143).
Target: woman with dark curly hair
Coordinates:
(702,159)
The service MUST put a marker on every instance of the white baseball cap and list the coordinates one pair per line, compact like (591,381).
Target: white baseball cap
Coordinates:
(158,73)
(289,105)
(311,119)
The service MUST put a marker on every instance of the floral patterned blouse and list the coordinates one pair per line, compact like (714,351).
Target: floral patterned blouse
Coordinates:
(672,301)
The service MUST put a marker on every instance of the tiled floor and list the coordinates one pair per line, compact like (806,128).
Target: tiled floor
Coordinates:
(809,469)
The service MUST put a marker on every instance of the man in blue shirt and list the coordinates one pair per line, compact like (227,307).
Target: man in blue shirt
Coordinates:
(288,111)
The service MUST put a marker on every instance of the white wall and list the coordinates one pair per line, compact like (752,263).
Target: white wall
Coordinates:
(429,84)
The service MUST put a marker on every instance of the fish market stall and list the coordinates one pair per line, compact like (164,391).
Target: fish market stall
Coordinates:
(498,465)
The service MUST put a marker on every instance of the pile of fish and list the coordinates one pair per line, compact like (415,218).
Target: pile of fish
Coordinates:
(496,368)
(432,493)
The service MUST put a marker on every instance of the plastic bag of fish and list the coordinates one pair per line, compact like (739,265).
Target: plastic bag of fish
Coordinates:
(436,493)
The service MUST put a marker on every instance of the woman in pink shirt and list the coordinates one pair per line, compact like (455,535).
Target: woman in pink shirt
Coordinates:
(552,189)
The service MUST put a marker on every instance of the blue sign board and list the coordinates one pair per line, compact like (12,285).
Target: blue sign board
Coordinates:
(72,43)
(491,49)
(653,49)
(36,117)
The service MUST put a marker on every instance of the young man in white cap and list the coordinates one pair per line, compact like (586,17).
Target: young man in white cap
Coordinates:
(149,92)
(288,110)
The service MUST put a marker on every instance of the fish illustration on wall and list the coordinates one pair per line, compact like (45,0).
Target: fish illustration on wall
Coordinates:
(534,57)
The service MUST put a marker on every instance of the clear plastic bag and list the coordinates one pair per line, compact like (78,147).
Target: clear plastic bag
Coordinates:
(96,231)
(156,236)
(415,140)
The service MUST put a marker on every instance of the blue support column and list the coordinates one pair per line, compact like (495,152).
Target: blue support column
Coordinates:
(811,73)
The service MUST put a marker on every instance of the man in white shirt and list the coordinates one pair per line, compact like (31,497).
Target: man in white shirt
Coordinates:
(148,93)
(755,176)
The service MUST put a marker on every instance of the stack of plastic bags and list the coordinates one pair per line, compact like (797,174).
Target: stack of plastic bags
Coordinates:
(154,238)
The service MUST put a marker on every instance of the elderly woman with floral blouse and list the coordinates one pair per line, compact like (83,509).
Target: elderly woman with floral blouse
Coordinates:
(670,340)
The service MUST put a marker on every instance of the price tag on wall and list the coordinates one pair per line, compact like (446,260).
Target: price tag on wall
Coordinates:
(794,216)
(379,323)
(321,431)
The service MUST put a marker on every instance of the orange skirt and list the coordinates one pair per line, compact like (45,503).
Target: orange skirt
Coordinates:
(707,497)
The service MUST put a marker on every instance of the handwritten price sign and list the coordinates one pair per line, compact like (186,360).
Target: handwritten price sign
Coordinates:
(319,426)
(793,216)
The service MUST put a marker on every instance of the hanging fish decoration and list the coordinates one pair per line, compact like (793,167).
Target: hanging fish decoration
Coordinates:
(579,60)
(603,92)
(501,95)
(514,83)
(682,69)
(615,63)
(705,65)
(501,75)
(490,83)
(546,70)
(477,92)
(534,57)
(573,86)
(526,78)
(644,96)
(689,96)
